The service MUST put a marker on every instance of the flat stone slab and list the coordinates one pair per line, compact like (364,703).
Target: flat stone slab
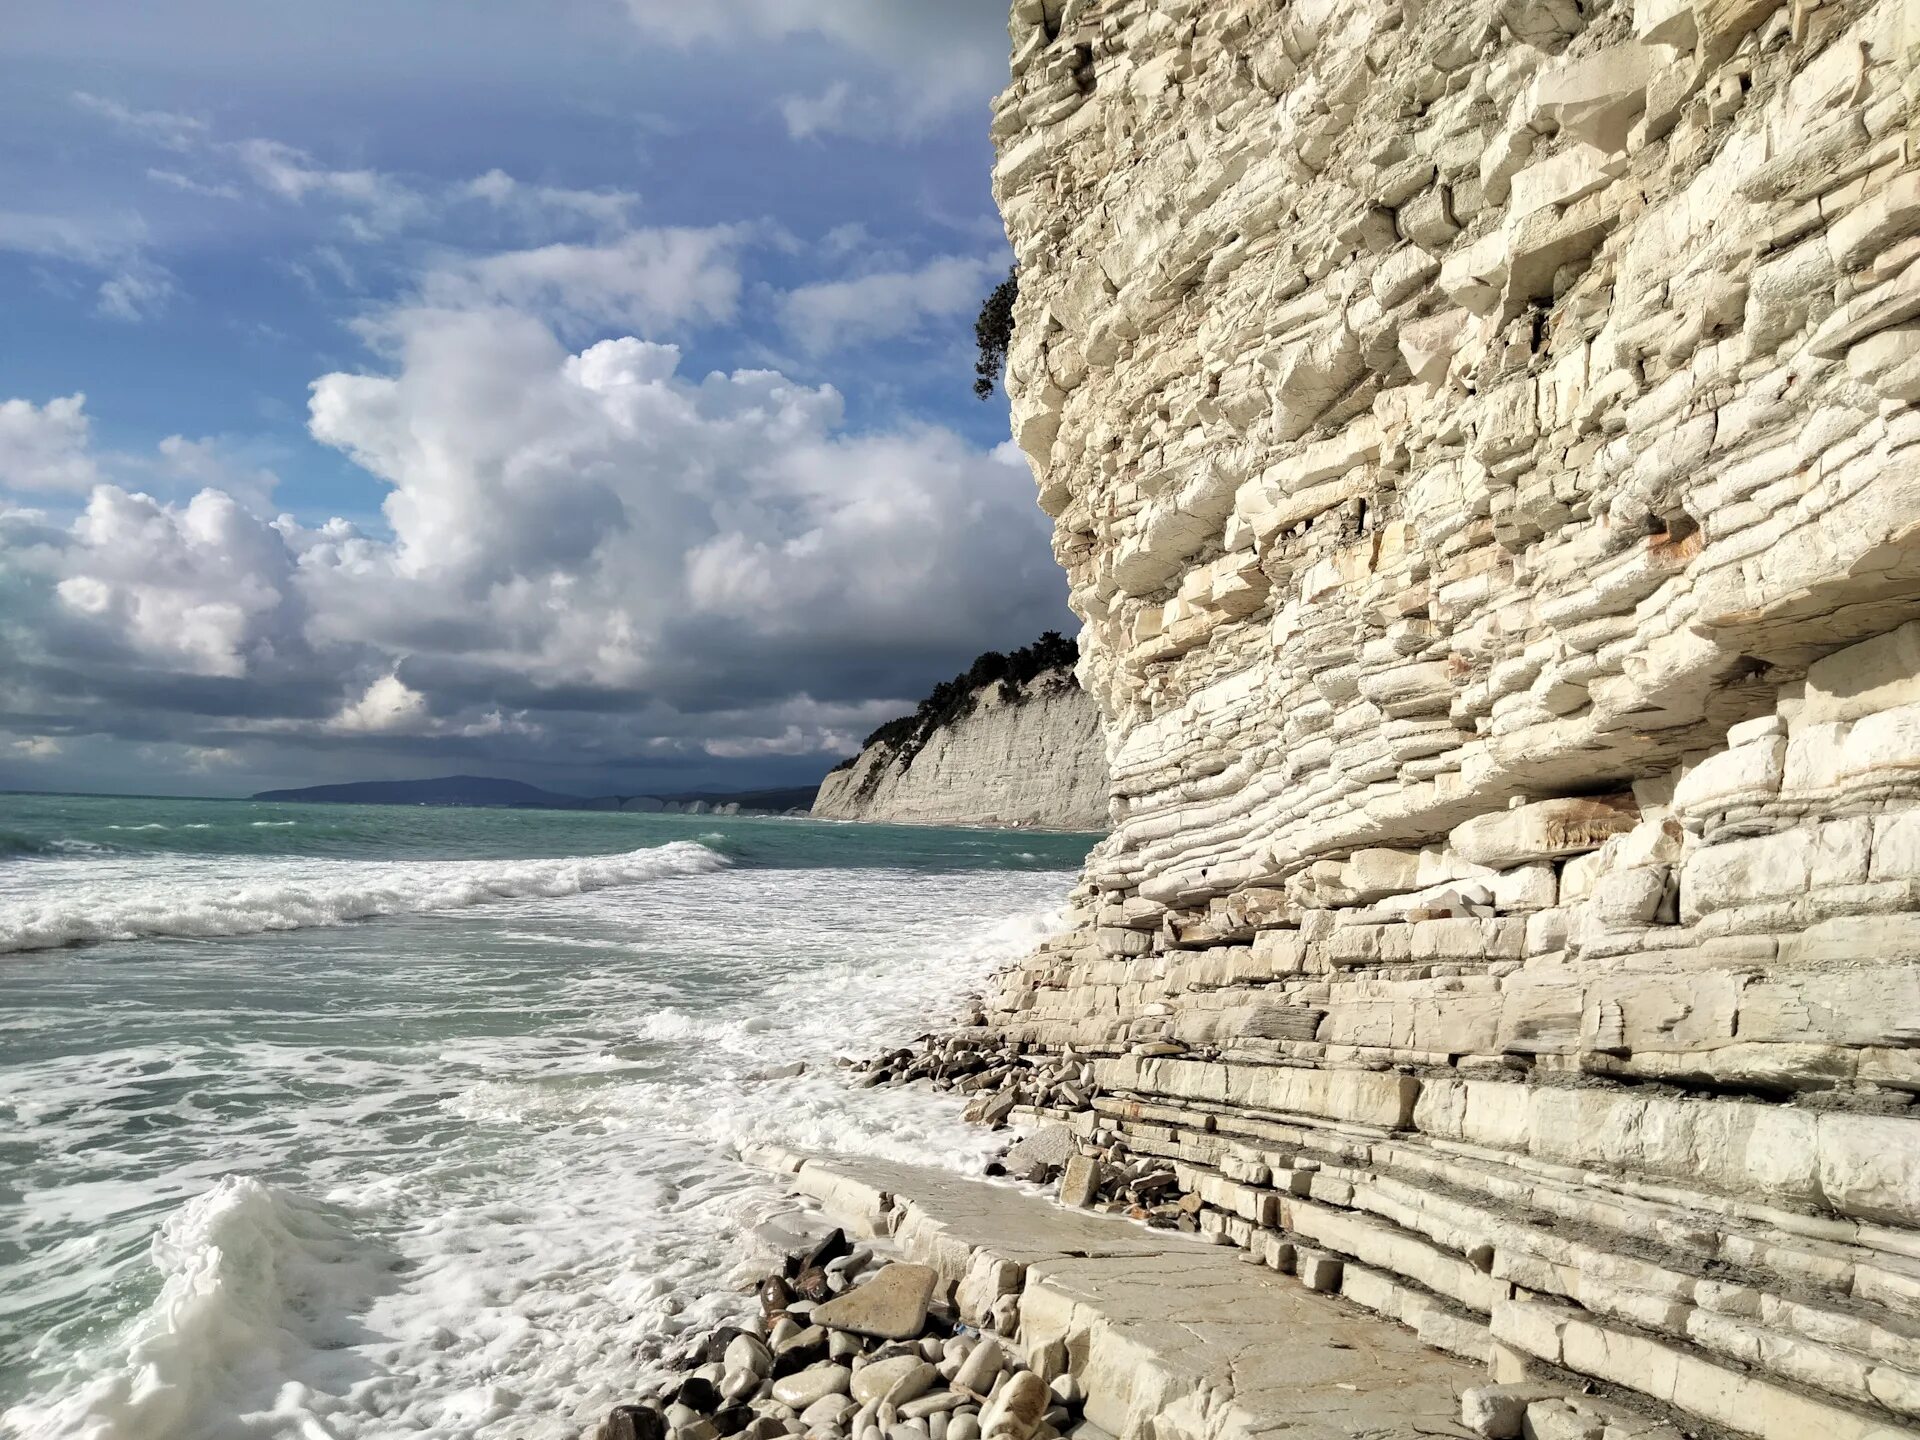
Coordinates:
(1173,1338)
(890,1306)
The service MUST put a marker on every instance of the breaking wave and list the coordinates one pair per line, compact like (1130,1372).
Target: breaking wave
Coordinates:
(323,892)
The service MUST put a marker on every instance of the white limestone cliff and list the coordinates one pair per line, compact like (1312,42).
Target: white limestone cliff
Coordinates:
(1481,442)
(1038,761)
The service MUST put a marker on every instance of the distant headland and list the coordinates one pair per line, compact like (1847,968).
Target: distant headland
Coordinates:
(516,794)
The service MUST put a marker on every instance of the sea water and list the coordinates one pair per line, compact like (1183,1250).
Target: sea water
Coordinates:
(355,1121)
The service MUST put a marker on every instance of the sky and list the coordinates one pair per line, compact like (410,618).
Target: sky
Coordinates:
(574,391)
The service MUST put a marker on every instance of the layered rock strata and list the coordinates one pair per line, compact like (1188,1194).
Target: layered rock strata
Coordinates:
(1480,438)
(1035,760)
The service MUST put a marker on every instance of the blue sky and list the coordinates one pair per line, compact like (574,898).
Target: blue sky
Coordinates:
(575,391)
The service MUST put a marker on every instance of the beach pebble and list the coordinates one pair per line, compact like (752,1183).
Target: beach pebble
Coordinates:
(937,1425)
(1006,1314)
(981,1368)
(750,1354)
(964,1425)
(908,1430)
(698,1394)
(1017,1408)
(875,1380)
(774,1296)
(803,1387)
(928,1406)
(680,1416)
(911,1385)
(841,1345)
(812,1284)
(828,1411)
(932,1348)
(1067,1390)
(634,1422)
(802,1343)
(740,1384)
(782,1328)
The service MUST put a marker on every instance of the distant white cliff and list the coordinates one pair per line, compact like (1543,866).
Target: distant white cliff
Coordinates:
(1012,754)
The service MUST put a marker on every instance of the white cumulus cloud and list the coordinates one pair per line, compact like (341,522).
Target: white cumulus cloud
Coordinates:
(888,304)
(45,447)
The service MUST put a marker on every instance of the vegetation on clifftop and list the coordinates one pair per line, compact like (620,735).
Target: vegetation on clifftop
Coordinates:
(1015,676)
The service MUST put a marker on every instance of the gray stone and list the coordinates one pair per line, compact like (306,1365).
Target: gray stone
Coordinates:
(980,1368)
(874,1381)
(1017,1407)
(803,1387)
(892,1305)
(1080,1183)
(1500,1411)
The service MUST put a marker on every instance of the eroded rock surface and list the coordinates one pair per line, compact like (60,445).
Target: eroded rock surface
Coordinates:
(1481,442)
(1037,761)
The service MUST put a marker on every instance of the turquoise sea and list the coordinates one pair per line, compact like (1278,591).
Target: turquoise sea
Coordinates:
(352,1121)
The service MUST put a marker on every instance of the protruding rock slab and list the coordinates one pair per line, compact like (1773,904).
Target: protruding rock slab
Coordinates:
(891,1306)
(1544,830)
(1167,1335)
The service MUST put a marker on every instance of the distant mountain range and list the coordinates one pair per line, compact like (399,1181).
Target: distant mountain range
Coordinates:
(484,790)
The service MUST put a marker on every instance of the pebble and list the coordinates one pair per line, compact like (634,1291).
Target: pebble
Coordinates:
(635,1422)
(827,1410)
(741,1384)
(980,1369)
(801,1340)
(803,1387)
(749,1354)
(874,1381)
(912,1384)
(841,1345)
(927,1406)
(1017,1407)
(964,1426)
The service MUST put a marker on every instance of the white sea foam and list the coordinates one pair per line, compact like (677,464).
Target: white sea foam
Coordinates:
(246,1276)
(317,892)
(494,1234)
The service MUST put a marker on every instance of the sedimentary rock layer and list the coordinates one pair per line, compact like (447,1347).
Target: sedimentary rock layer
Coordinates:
(1481,442)
(1037,760)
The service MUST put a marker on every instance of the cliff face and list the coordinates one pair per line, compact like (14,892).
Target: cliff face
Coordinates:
(1039,762)
(1480,438)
